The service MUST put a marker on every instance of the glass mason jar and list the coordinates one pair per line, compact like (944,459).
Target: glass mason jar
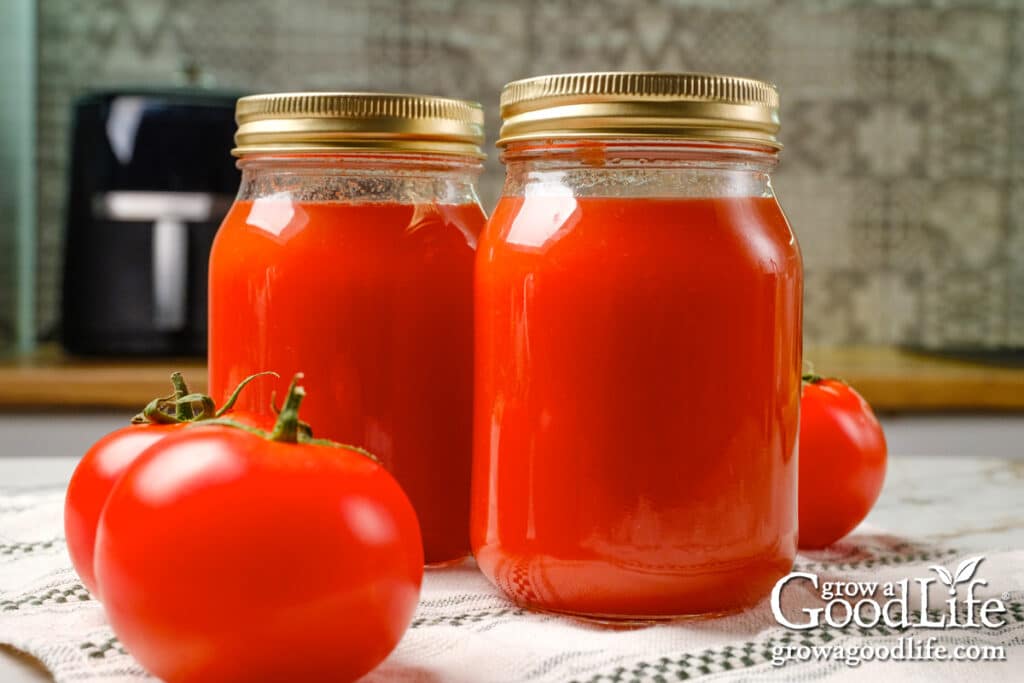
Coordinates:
(348,256)
(638,350)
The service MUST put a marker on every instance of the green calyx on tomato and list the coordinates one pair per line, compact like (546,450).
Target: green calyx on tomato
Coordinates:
(289,428)
(810,376)
(183,406)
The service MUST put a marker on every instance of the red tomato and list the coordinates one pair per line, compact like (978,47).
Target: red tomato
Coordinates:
(94,477)
(226,556)
(842,461)
(104,463)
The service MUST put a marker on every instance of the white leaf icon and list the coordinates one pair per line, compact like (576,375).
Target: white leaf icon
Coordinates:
(967,568)
(944,575)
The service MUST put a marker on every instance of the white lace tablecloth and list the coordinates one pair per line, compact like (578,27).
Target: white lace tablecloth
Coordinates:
(936,511)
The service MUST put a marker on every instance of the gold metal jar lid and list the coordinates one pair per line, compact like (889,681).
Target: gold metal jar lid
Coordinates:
(640,104)
(319,122)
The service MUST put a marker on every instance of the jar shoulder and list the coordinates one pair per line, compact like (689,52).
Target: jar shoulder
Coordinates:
(359,228)
(715,228)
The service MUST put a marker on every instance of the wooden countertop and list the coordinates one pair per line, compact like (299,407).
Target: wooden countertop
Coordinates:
(50,379)
(891,379)
(896,380)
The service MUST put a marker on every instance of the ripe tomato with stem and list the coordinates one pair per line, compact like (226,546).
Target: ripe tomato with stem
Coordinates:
(107,459)
(227,553)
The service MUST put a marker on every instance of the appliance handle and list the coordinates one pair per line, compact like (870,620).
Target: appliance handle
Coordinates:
(170,272)
(143,206)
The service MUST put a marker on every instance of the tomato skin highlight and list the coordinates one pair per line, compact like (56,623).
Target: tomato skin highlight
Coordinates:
(97,472)
(223,556)
(91,483)
(842,462)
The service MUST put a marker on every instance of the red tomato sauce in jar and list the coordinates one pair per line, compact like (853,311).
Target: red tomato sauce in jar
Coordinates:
(638,369)
(348,256)
(373,302)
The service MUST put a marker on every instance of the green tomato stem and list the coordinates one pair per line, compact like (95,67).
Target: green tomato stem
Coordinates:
(182,409)
(287,429)
(233,398)
(181,406)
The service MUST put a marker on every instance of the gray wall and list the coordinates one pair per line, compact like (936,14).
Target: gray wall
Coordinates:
(904,161)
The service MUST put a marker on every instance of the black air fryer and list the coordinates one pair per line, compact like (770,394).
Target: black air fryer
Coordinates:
(151,179)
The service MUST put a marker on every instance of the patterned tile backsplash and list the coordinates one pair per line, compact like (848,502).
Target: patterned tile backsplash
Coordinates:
(903,172)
